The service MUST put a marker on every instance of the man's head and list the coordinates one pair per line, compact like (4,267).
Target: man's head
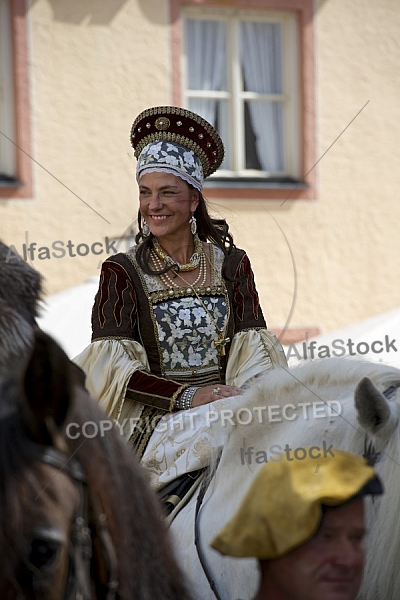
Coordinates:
(329,566)
(304,521)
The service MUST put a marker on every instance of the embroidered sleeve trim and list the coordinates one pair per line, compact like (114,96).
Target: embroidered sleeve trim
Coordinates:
(155,400)
(176,396)
(148,399)
(115,303)
(245,293)
(238,296)
(254,329)
(181,292)
(110,337)
(152,390)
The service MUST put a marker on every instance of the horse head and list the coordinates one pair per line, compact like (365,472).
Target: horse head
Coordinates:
(46,529)
(378,414)
(77,518)
(320,406)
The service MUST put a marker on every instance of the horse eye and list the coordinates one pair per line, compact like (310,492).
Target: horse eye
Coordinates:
(43,552)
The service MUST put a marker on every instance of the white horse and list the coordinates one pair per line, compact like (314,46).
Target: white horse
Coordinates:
(330,402)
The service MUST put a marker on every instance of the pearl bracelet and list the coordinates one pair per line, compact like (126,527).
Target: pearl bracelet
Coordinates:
(185,400)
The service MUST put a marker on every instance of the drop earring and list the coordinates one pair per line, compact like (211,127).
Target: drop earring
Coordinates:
(145,229)
(193,224)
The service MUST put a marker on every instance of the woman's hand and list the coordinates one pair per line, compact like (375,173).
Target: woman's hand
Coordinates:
(209,393)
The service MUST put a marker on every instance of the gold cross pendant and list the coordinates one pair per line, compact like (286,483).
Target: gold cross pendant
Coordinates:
(222,343)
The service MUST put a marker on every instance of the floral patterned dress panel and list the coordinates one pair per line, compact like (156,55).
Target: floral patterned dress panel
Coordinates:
(187,333)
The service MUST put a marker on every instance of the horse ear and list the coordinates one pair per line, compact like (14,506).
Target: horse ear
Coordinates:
(372,406)
(47,387)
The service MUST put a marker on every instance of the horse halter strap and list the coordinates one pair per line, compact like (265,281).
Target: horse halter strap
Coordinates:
(370,452)
(78,586)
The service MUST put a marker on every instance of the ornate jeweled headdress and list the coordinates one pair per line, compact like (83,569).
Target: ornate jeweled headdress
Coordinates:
(176,140)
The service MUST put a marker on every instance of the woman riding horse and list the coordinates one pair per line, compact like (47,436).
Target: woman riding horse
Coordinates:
(176,321)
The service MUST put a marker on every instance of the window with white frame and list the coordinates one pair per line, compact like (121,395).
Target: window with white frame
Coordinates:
(7,129)
(241,75)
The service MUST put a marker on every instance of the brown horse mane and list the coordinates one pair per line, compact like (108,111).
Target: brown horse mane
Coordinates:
(20,294)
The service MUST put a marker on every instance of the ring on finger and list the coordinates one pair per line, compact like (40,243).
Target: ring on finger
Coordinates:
(216,391)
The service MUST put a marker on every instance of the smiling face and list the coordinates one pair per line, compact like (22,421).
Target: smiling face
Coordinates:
(327,567)
(167,203)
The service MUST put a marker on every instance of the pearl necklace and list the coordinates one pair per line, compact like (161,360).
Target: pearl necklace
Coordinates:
(168,282)
(194,260)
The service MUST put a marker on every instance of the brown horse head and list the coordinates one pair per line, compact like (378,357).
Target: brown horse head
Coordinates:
(76,512)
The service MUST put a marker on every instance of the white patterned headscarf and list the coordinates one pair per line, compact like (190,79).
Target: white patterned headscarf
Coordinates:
(169,157)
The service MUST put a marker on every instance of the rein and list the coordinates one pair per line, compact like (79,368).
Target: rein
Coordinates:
(201,554)
(78,585)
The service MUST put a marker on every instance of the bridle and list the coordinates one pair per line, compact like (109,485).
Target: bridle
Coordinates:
(78,584)
(370,452)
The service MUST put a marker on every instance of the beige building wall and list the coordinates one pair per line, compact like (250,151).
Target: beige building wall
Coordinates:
(94,66)
(325,263)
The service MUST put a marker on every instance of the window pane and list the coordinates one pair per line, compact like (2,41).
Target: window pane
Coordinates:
(216,113)
(261,57)
(264,136)
(206,55)
(235,79)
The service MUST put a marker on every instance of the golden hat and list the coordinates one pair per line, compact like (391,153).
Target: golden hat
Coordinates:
(180,126)
(283,506)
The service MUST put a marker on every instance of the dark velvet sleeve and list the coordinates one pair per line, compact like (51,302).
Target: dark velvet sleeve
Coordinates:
(114,312)
(247,311)
(115,316)
(154,391)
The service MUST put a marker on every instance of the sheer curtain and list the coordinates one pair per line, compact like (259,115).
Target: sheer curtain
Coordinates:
(261,59)
(206,68)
